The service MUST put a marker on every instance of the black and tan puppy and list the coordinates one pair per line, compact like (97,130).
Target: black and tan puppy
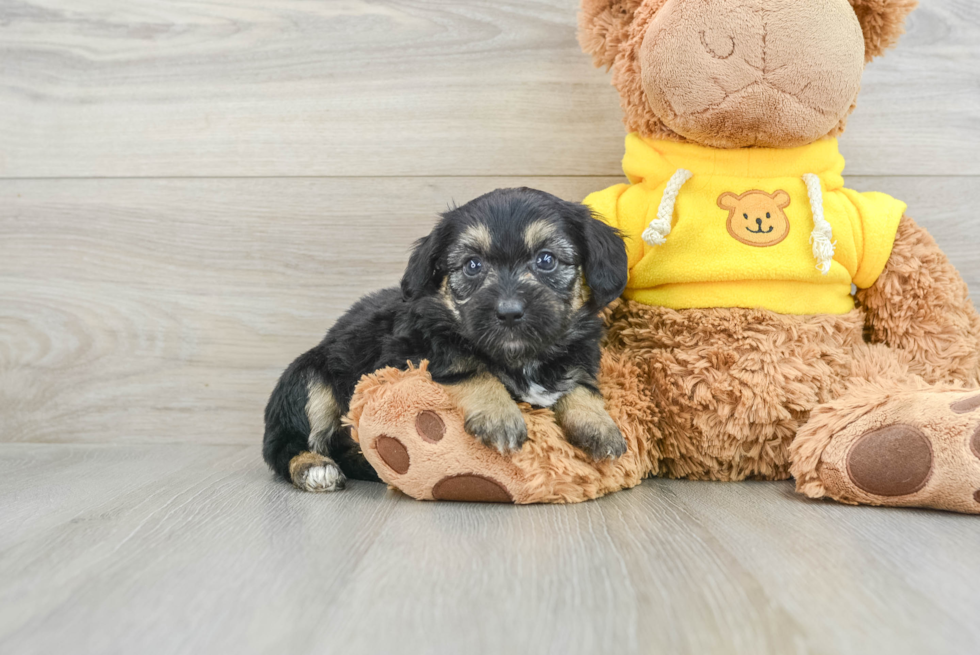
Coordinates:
(502,298)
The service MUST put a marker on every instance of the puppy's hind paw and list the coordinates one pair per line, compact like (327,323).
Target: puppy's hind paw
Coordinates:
(312,472)
(505,432)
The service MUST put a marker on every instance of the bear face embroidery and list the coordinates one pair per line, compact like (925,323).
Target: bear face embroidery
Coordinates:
(756,218)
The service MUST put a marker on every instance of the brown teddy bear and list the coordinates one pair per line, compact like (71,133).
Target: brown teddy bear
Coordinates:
(739,351)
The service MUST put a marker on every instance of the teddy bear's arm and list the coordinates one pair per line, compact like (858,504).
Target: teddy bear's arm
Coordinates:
(921,305)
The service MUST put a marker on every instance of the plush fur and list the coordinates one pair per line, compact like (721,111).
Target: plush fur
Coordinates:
(876,400)
(604,26)
(920,306)
(501,300)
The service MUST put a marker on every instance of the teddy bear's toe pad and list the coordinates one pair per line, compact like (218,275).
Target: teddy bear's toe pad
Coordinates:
(393,453)
(471,488)
(966,405)
(892,461)
(430,427)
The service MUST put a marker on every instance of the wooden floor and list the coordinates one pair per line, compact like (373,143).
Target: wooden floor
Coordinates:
(192,191)
(193,548)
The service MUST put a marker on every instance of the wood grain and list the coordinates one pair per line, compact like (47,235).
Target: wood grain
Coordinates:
(196,549)
(394,87)
(192,191)
(136,311)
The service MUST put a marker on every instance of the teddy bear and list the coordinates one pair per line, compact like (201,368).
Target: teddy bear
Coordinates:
(776,324)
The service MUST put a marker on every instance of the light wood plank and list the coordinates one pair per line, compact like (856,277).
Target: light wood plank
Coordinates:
(359,88)
(147,310)
(47,487)
(919,108)
(816,553)
(212,555)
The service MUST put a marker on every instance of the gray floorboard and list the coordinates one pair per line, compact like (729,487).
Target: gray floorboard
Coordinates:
(193,549)
(192,191)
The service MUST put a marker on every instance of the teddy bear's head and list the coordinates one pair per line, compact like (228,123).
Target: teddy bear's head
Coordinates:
(737,73)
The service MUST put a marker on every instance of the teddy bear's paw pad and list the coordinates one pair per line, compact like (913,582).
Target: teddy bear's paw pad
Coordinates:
(430,426)
(393,453)
(892,461)
(471,488)
(966,405)
(916,449)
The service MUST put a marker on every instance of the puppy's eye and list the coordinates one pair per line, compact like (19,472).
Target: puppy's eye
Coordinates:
(473,266)
(546,261)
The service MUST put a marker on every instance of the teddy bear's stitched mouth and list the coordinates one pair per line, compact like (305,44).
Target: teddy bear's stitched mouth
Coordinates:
(760,230)
(742,92)
(757,127)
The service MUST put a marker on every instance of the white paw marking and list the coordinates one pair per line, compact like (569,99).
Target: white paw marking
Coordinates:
(538,395)
(326,477)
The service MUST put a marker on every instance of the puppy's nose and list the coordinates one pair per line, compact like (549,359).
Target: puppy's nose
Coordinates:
(510,310)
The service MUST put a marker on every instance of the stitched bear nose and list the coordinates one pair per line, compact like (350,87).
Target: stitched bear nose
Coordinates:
(758,222)
(510,310)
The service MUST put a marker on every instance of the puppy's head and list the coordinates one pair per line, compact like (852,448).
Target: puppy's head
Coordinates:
(515,267)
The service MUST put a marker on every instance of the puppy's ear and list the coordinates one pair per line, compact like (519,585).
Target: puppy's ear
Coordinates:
(603,255)
(423,275)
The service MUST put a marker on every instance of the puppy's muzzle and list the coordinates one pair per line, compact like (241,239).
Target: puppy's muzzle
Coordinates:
(510,310)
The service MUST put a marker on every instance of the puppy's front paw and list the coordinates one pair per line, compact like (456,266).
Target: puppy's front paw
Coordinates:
(312,472)
(594,432)
(501,429)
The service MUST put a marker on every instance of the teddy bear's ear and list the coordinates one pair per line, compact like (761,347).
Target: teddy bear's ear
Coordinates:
(603,25)
(882,22)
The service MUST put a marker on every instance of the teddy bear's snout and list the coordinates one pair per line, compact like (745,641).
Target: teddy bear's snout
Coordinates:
(776,73)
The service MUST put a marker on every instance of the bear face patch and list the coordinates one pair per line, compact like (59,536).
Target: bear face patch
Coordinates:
(756,218)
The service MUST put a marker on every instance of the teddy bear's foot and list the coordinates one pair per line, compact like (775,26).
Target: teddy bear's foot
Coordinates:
(914,448)
(412,434)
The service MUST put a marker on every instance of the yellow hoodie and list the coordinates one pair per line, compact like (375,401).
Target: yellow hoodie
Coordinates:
(752,227)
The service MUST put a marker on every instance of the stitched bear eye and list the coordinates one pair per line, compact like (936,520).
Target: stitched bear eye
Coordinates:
(546,261)
(746,216)
(473,266)
(767,215)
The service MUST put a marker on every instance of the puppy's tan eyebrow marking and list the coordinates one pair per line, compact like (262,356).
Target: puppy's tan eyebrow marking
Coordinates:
(537,233)
(447,297)
(580,293)
(477,237)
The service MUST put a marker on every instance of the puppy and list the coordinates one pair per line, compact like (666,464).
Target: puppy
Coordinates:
(502,299)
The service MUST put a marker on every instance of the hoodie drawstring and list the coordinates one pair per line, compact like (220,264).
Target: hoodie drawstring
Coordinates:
(820,238)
